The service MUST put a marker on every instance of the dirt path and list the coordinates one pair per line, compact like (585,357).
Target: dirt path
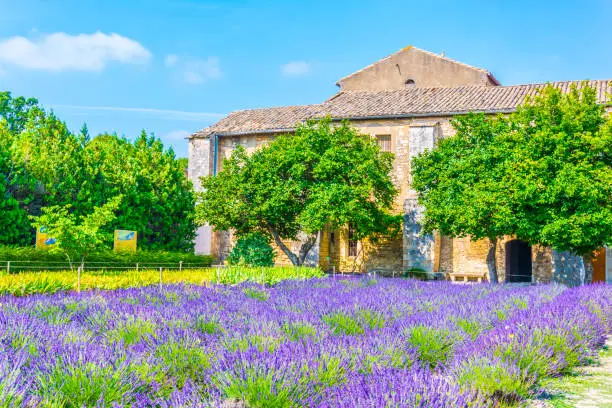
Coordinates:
(591,387)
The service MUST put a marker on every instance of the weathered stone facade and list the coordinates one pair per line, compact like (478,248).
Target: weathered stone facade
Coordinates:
(375,101)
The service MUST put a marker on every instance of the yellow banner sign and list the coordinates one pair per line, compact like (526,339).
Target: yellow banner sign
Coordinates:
(125,241)
(43,240)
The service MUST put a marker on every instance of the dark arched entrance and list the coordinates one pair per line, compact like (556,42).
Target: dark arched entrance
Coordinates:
(518,261)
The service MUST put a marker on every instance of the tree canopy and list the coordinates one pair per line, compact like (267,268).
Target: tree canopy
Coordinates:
(44,164)
(562,171)
(322,176)
(543,174)
(77,236)
(461,184)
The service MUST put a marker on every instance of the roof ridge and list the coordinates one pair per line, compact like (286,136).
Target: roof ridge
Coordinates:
(478,86)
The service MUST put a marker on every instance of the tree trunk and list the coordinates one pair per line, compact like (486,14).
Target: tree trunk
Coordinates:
(491,260)
(587,260)
(296,260)
(292,257)
(306,247)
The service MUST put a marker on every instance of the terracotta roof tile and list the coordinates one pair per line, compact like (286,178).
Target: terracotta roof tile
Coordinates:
(400,103)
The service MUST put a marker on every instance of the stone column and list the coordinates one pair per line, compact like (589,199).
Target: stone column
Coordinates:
(418,247)
(200,166)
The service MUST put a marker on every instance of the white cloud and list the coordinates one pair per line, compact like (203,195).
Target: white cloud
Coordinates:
(295,68)
(200,71)
(159,113)
(171,60)
(64,52)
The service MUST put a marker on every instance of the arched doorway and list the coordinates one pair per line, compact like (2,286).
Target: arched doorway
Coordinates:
(518,261)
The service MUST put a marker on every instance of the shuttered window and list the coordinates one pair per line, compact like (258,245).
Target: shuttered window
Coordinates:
(384,141)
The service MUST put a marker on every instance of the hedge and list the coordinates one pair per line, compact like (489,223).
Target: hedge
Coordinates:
(27,254)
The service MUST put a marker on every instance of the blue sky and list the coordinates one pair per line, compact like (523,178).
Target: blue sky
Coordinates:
(173,67)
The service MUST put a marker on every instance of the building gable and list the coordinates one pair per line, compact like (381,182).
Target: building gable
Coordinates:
(413,67)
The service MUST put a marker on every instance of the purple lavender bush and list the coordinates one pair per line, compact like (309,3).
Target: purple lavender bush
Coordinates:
(315,343)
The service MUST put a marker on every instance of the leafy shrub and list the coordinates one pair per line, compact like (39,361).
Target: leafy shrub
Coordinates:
(496,379)
(472,327)
(341,323)
(86,385)
(297,331)
(131,332)
(182,361)
(105,259)
(256,294)
(208,325)
(434,346)
(265,275)
(252,250)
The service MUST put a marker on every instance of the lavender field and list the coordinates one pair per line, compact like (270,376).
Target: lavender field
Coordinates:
(313,343)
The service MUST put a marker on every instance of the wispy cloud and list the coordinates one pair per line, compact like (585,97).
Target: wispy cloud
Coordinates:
(63,52)
(194,71)
(295,68)
(171,60)
(200,71)
(159,113)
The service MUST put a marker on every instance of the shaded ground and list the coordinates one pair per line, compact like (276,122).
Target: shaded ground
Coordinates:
(587,387)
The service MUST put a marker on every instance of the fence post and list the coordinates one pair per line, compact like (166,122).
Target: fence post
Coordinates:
(180,266)
(136,266)
(334,270)
(160,278)
(217,275)
(8,266)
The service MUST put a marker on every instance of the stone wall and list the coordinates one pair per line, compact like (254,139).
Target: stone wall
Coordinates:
(393,256)
(425,69)
(567,268)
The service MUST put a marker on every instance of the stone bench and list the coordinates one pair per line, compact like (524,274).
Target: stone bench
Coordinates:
(466,276)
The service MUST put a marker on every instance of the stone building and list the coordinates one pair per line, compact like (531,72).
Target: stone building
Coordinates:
(406,102)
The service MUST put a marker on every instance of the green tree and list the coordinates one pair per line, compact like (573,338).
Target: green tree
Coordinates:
(77,236)
(462,184)
(158,200)
(252,250)
(543,175)
(43,164)
(14,225)
(17,111)
(322,176)
(562,171)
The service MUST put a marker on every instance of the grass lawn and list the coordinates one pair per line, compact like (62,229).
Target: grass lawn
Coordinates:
(589,386)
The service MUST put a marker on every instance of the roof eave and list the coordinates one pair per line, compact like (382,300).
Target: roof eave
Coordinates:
(368,117)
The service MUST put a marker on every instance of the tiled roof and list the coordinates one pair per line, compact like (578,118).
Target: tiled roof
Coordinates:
(394,103)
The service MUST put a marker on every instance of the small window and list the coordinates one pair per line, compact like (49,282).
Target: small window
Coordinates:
(352,242)
(409,84)
(384,141)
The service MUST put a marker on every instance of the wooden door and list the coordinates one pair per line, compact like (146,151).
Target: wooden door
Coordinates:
(599,266)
